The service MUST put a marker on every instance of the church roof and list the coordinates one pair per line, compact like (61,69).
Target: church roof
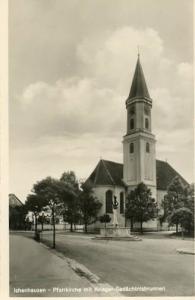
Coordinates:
(107,173)
(111,173)
(139,88)
(14,201)
(165,174)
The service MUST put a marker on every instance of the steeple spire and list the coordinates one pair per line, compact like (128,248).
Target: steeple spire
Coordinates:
(138,88)
(138,51)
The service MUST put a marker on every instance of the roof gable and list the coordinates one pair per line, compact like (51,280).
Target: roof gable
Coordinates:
(14,201)
(106,173)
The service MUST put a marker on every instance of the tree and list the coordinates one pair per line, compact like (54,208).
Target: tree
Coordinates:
(71,211)
(141,207)
(182,216)
(69,178)
(41,219)
(35,204)
(105,219)
(177,196)
(51,190)
(190,197)
(89,206)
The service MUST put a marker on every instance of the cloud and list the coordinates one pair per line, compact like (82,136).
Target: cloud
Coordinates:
(76,106)
(111,57)
(76,120)
(185,70)
(171,112)
(94,102)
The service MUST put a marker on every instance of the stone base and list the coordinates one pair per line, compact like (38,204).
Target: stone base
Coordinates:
(119,238)
(115,232)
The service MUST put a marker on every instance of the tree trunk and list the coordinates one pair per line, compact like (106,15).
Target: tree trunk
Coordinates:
(105,225)
(42,225)
(54,229)
(182,233)
(141,227)
(176,227)
(85,227)
(131,224)
(35,224)
(71,229)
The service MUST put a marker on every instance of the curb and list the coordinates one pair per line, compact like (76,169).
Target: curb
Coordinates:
(186,251)
(101,288)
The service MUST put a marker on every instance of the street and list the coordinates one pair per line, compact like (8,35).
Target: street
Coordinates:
(150,263)
(147,263)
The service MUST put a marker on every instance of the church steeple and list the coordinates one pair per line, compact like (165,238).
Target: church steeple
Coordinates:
(139,142)
(138,88)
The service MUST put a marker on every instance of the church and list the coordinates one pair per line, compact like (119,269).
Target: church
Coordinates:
(111,179)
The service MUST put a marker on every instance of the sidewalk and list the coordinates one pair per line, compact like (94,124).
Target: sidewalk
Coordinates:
(33,266)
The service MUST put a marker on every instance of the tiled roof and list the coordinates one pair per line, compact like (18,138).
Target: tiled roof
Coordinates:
(139,88)
(165,174)
(107,173)
(111,173)
(14,201)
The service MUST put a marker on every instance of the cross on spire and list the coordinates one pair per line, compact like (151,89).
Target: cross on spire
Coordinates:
(138,51)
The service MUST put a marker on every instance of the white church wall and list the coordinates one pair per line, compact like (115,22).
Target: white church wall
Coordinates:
(151,225)
(100,193)
(160,196)
(130,161)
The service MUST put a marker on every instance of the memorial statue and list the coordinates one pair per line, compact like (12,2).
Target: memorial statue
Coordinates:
(115,206)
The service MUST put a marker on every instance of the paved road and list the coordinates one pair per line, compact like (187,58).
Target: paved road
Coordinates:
(33,266)
(150,263)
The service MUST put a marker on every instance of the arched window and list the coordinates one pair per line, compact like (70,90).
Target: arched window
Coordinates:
(146,123)
(121,203)
(147,147)
(109,202)
(131,148)
(131,123)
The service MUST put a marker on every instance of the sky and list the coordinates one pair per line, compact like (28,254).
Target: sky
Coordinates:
(71,64)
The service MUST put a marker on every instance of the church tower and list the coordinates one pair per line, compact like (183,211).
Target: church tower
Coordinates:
(139,143)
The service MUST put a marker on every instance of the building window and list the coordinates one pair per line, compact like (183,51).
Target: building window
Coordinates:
(132,110)
(146,123)
(109,202)
(131,148)
(121,203)
(146,109)
(147,147)
(131,123)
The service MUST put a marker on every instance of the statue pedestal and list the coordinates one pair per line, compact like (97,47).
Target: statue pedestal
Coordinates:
(115,232)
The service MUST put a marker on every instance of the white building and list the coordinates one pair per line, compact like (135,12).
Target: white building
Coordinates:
(139,158)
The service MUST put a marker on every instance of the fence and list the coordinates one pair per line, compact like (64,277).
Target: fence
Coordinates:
(64,227)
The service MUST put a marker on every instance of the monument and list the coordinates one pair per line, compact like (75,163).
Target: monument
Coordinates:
(114,208)
(114,231)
